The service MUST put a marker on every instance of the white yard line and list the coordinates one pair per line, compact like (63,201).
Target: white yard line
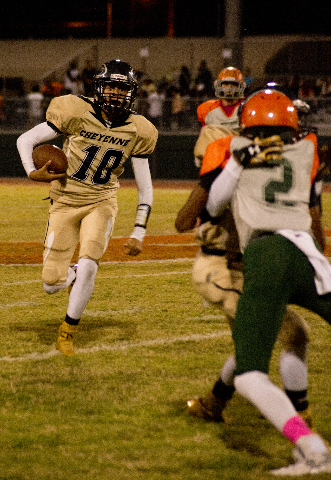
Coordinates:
(146,274)
(121,346)
(173,260)
(17,304)
(22,282)
(26,282)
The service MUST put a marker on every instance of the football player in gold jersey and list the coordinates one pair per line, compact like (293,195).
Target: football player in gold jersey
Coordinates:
(100,134)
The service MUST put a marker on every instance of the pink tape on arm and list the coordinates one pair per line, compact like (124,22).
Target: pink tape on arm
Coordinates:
(295,428)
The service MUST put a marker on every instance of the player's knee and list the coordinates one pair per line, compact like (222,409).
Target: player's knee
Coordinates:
(53,276)
(50,289)
(92,250)
(209,292)
(220,297)
(212,280)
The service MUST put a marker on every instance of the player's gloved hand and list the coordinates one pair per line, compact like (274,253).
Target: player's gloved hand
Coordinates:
(133,246)
(43,175)
(264,152)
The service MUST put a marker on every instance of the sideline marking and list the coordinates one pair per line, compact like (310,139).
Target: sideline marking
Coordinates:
(123,346)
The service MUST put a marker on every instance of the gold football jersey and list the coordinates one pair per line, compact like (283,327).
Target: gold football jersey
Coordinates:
(96,149)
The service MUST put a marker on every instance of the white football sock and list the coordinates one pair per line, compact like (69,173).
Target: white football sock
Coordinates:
(294,372)
(311,444)
(270,400)
(83,287)
(227,372)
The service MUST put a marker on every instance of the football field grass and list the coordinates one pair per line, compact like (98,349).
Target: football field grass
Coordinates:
(146,344)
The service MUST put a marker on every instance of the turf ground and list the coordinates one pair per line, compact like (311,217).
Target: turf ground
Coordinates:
(145,345)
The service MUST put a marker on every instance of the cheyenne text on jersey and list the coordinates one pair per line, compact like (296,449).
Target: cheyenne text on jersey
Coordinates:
(104,138)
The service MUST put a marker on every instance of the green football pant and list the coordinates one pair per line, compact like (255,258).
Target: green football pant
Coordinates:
(276,273)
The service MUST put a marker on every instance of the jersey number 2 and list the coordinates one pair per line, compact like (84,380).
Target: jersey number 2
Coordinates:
(283,186)
(110,159)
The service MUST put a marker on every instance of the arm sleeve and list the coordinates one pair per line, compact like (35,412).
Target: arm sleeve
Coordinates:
(145,195)
(223,187)
(28,140)
(207,179)
(143,179)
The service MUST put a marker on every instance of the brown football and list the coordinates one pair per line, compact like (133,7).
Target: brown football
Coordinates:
(45,152)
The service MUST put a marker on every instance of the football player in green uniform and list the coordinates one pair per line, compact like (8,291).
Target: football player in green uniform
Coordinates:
(100,134)
(268,177)
(217,276)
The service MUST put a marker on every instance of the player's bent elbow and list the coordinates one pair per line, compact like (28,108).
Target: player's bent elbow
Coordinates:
(178,227)
(183,226)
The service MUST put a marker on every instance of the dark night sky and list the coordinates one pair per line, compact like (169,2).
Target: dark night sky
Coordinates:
(148,18)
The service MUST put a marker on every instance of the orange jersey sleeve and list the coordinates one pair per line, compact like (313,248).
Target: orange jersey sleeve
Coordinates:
(205,108)
(313,138)
(217,154)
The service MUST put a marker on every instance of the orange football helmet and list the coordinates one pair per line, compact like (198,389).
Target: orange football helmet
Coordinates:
(270,108)
(234,76)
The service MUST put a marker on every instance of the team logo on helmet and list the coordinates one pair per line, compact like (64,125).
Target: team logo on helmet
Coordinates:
(117,76)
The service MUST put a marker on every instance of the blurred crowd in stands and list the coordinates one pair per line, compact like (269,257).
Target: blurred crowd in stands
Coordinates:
(170,103)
